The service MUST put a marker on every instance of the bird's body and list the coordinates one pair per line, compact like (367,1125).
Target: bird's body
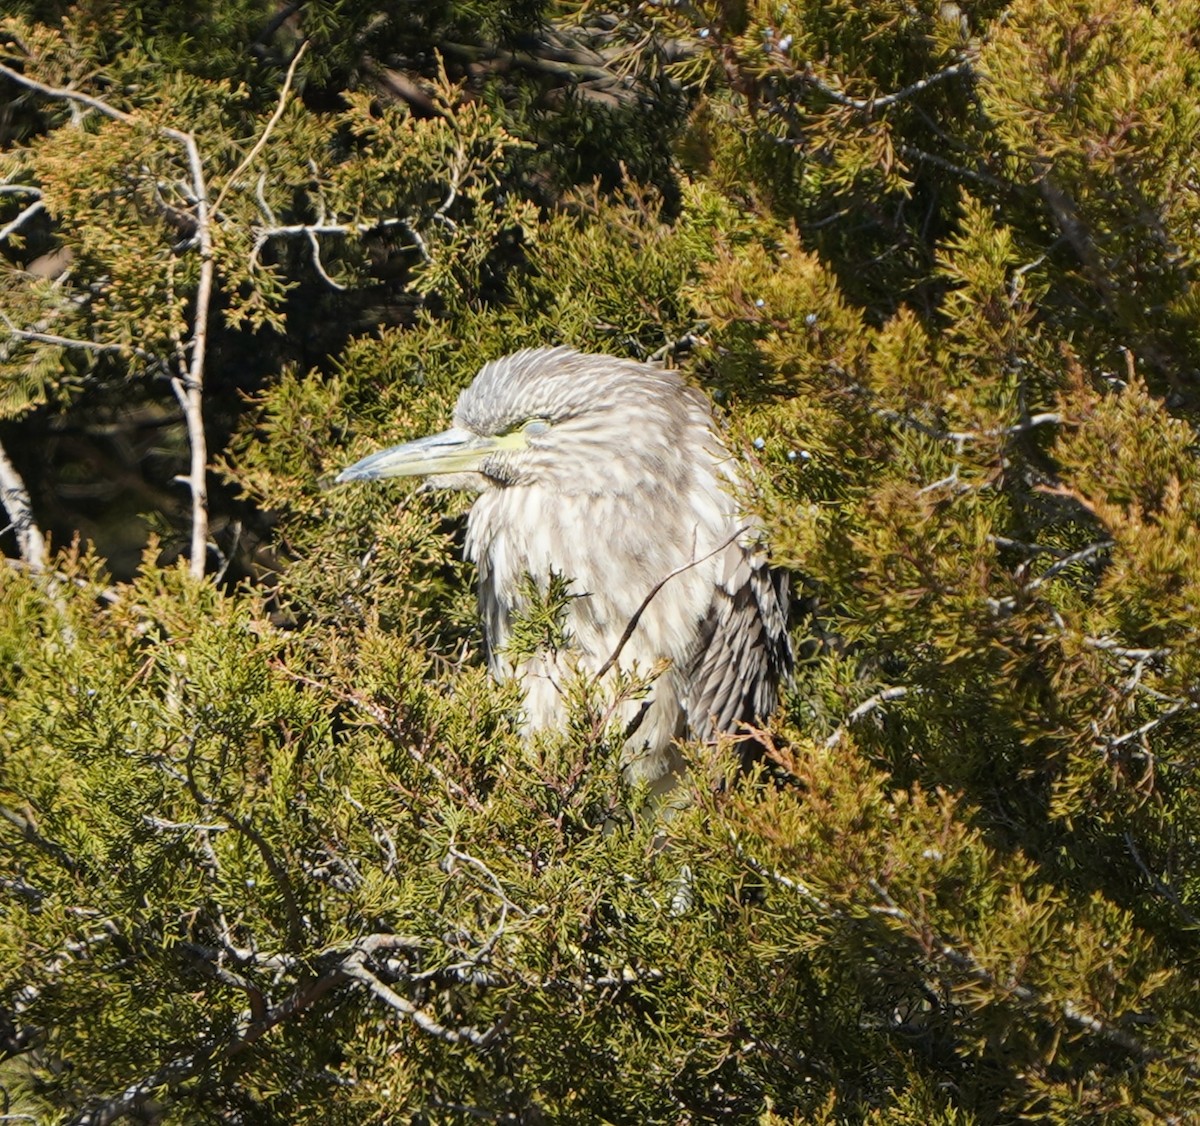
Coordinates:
(611,474)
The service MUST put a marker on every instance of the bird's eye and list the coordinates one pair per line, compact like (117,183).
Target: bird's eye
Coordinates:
(535,426)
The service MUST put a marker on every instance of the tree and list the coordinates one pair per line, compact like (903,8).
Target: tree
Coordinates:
(273,847)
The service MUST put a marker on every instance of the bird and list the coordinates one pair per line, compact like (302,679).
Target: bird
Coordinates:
(612,474)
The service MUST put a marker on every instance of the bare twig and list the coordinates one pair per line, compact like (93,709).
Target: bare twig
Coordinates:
(379,834)
(799,887)
(25,997)
(280,105)
(163,825)
(354,966)
(1163,889)
(37,337)
(387,724)
(961,437)
(63,93)
(453,854)
(25,215)
(573,71)
(1032,548)
(1108,645)
(865,708)
(685,343)
(883,101)
(318,265)
(192,400)
(938,946)
(1076,557)
(101,593)
(1110,743)
(1007,604)
(636,617)
(182,1068)
(312,231)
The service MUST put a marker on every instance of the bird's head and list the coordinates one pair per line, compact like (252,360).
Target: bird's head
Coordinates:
(554,417)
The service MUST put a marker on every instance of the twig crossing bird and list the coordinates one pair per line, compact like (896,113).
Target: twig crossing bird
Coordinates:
(612,474)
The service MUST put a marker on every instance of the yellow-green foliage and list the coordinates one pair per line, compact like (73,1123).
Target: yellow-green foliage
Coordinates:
(275,849)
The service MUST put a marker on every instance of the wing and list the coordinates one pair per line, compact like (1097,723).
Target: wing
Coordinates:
(744,652)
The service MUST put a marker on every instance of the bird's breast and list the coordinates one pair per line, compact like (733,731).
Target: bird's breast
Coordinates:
(614,552)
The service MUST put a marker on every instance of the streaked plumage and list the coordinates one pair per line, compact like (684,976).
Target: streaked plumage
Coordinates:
(612,474)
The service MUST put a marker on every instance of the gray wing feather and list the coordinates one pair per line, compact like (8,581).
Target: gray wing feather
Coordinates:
(744,653)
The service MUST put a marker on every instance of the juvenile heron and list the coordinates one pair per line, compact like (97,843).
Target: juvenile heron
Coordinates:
(612,474)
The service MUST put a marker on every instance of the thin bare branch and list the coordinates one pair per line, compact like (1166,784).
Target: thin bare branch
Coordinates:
(799,887)
(280,105)
(163,825)
(318,265)
(354,965)
(573,71)
(912,152)
(27,996)
(883,101)
(182,1068)
(64,93)
(38,337)
(1113,742)
(1162,888)
(16,224)
(386,723)
(636,617)
(961,437)
(961,960)
(1032,548)
(1109,645)
(101,593)
(1062,564)
(1070,1011)
(865,708)
(193,399)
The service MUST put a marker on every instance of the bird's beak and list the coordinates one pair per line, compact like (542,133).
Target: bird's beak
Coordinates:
(452,451)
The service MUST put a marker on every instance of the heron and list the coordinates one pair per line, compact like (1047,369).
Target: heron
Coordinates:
(614,475)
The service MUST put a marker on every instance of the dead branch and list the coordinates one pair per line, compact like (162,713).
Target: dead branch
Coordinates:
(189,386)
(280,105)
(22,218)
(354,966)
(883,101)
(864,709)
(636,617)
(15,498)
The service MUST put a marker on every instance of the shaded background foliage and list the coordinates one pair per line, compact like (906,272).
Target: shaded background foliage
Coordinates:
(272,849)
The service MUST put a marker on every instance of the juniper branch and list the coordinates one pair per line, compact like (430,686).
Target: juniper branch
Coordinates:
(243,1035)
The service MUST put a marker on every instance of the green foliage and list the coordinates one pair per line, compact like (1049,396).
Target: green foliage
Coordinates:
(542,627)
(276,848)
